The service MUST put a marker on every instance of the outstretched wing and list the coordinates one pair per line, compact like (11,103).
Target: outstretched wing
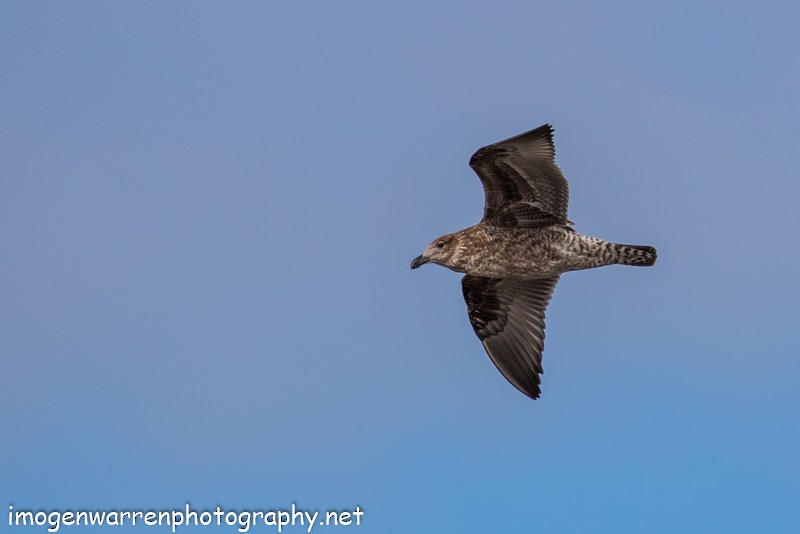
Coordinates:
(508,317)
(523,184)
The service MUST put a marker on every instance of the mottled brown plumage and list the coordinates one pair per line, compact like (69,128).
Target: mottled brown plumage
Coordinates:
(514,256)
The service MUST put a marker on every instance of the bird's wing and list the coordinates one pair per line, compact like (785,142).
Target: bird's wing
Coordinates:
(523,184)
(508,316)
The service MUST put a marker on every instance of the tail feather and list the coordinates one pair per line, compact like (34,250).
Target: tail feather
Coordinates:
(639,255)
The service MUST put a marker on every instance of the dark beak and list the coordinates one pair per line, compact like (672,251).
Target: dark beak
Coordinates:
(418,261)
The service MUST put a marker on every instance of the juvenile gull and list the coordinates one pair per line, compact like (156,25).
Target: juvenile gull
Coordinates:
(514,256)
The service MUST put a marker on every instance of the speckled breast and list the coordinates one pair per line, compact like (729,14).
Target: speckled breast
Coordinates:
(514,252)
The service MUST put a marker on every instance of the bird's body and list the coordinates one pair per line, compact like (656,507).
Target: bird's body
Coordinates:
(514,256)
(530,253)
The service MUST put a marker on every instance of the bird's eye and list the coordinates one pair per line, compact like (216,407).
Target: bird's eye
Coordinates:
(440,244)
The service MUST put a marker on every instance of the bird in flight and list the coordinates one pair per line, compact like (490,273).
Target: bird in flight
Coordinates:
(513,257)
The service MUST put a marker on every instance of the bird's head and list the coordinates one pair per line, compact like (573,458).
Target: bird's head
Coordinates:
(443,251)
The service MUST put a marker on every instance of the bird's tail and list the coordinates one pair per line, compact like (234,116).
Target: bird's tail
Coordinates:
(636,255)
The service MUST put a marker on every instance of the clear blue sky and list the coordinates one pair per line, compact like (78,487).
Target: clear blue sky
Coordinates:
(207,214)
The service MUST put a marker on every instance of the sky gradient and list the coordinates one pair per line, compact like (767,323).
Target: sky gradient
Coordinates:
(207,215)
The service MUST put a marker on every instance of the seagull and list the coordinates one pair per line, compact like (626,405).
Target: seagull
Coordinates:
(513,258)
